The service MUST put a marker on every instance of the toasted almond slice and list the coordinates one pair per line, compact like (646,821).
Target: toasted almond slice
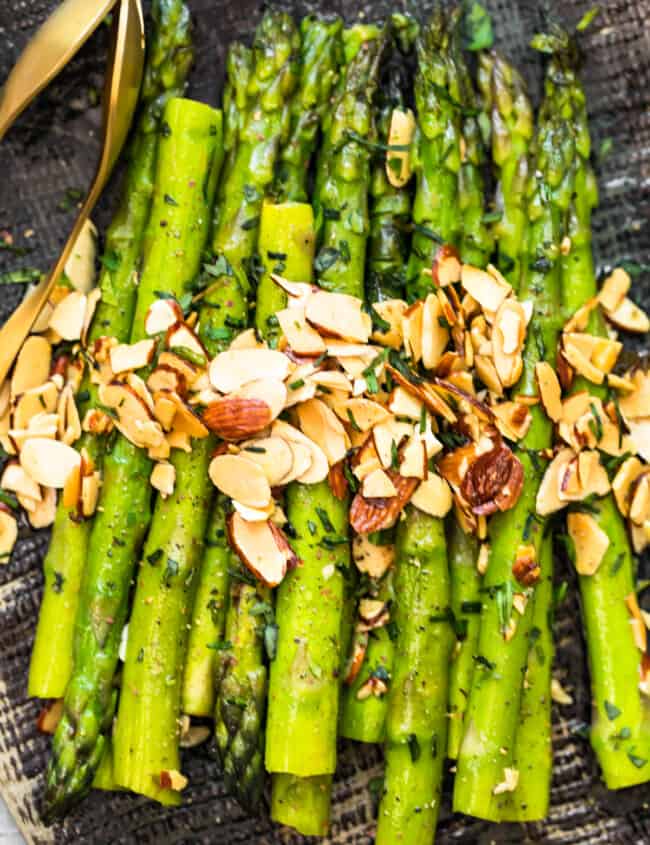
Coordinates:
(80,266)
(233,369)
(189,371)
(371,558)
(433,496)
(629,317)
(50,716)
(638,625)
(273,454)
(637,403)
(186,420)
(558,694)
(580,320)
(513,419)
(69,315)
(548,498)
(246,340)
(400,134)
(428,394)
(357,656)
(301,337)
(589,540)
(509,782)
(301,462)
(162,315)
(320,424)
(96,422)
(270,391)
(508,338)
(488,291)
(391,311)
(131,356)
(446,267)
(90,485)
(256,543)
(36,400)
(487,372)
(434,336)
(16,480)
(363,413)
(377,485)
(175,440)
(164,377)
(69,422)
(343,350)
(373,613)
(339,315)
(41,425)
(627,474)
(298,292)
(181,336)
(241,479)
(5,397)
(414,459)
(48,462)
(402,403)
(367,516)
(32,365)
(640,436)
(412,331)
(549,390)
(388,436)
(130,409)
(580,361)
(640,536)
(300,387)
(318,467)
(614,289)
(173,779)
(92,300)
(640,504)
(236,417)
(254,514)
(163,478)
(43,513)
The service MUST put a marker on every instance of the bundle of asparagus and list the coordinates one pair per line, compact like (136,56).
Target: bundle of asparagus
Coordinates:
(392,378)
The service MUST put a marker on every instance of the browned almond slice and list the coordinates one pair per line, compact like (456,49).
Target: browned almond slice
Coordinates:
(173,779)
(241,479)
(42,514)
(343,350)
(371,558)
(48,462)
(331,379)
(16,480)
(614,289)
(131,356)
(638,624)
(270,391)
(548,495)
(640,504)
(246,340)
(525,567)
(623,481)
(90,485)
(377,485)
(32,365)
(5,397)
(469,401)
(274,455)
(403,403)
(320,424)
(493,481)
(162,315)
(589,540)
(298,292)
(69,315)
(300,387)
(233,369)
(357,656)
(488,291)
(413,463)
(129,408)
(318,467)
(80,266)
(41,425)
(640,536)
(508,338)
(400,134)
(338,315)
(35,401)
(388,436)
(412,321)
(435,336)
(637,404)
(367,516)
(189,371)
(92,300)
(549,390)
(425,393)
(257,548)
(8,534)
(194,735)
(446,267)
(50,716)
(165,377)
(185,420)
(181,336)
(391,311)
(69,422)
(301,337)
(362,413)
(513,419)
(236,417)
(373,612)
(629,317)
(254,514)
(433,496)
(163,478)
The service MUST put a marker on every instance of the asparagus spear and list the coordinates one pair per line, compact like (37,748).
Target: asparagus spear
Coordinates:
(144,747)
(416,721)
(363,719)
(303,702)
(211,600)
(186,158)
(621,743)
(168,60)
(493,709)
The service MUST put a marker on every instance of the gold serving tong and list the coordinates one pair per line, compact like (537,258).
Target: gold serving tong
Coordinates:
(58,39)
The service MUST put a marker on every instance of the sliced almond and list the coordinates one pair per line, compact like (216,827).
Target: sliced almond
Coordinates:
(246,340)
(640,437)
(377,485)
(241,479)
(637,403)
(435,336)
(388,436)
(69,316)
(190,372)
(623,481)
(368,515)
(357,656)
(254,514)
(589,540)
(162,315)
(49,462)
(640,503)
(614,289)
(487,372)
(548,498)
(371,558)
(274,455)
(32,365)
(234,418)
(130,409)
(8,534)
(513,419)
(301,337)
(69,422)
(320,424)
(15,479)
(233,369)
(507,341)
(363,413)
(412,331)
(90,485)
(92,300)
(413,463)
(318,467)
(175,440)
(400,134)
(550,390)
(488,291)
(339,315)
(167,378)
(36,400)
(402,403)
(526,568)
(173,779)
(181,336)
(639,629)
(80,266)
(131,356)
(96,422)
(300,387)
(433,496)
(447,266)
(50,716)
(256,544)
(391,311)
(509,782)
(5,397)
(629,317)
(270,391)
(163,478)
(298,292)
(42,514)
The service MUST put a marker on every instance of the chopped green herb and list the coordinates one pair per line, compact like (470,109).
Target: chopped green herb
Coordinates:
(169,199)
(613,712)
(414,747)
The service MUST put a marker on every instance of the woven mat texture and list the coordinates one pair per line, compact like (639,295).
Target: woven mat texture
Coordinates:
(52,149)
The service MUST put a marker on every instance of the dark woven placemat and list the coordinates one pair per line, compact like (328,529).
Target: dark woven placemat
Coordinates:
(51,151)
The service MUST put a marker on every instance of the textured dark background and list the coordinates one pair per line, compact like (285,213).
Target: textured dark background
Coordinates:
(51,150)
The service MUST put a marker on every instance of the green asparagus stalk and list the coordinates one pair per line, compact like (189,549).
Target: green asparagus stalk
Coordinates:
(304,678)
(363,718)
(211,601)
(416,720)
(622,742)
(186,158)
(168,60)
(492,716)
(321,55)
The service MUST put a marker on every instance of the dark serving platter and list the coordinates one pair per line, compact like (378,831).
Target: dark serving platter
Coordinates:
(48,155)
